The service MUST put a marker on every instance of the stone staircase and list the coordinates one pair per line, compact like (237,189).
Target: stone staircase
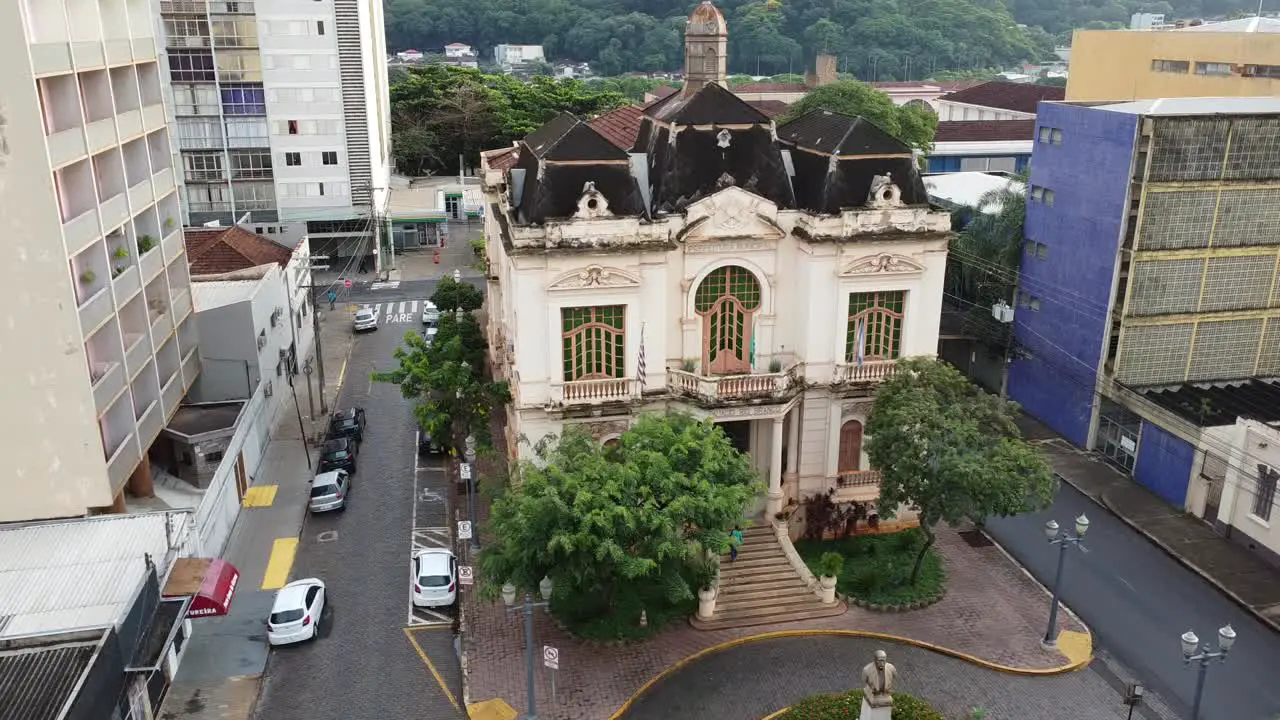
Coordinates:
(761,587)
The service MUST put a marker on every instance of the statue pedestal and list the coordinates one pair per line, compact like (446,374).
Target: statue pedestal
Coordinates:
(875,713)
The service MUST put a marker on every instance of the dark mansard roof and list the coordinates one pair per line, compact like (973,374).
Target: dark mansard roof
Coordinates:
(693,145)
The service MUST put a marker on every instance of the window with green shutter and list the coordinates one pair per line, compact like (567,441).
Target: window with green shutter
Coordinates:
(879,316)
(594,342)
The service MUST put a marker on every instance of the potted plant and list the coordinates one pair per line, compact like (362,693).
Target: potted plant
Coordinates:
(122,256)
(168,223)
(829,567)
(706,602)
(87,277)
(689,365)
(775,366)
(706,575)
(145,243)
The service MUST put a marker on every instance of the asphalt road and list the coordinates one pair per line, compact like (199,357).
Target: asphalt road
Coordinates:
(372,659)
(1138,601)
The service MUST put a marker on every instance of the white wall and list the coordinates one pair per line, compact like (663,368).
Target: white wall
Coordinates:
(948,110)
(220,504)
(1251,443)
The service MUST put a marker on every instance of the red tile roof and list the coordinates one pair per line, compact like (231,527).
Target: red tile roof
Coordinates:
(1018,97)
(772,108)
(765,87)
(213,251)
(662,91)
(620,126)
(503,159)
(985,130)
(947,85)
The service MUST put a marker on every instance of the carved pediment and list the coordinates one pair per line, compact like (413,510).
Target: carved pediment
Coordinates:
(732,213)
(886,263)
(594,276)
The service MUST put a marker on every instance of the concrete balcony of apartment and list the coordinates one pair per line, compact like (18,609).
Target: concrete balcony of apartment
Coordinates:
(870,371)
(137,353)
(171,394)
(119,51)
(150,423)
(190,368)
(599,391)
(108,381)
(721,389)
(857,486)
(150,258)
(121,461)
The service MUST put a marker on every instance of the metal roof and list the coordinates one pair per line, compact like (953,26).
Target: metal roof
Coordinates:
(69,575)
(36,682)
(966,189)
(1169,107)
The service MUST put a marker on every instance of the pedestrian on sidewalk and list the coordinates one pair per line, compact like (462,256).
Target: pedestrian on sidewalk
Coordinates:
(333,296)
(735,539)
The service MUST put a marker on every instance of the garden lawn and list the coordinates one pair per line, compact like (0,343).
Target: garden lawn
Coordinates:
(848,706)
(877,567)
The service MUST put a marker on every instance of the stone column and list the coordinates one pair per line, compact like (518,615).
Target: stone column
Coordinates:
(775,470)
(791,478)
(140,483)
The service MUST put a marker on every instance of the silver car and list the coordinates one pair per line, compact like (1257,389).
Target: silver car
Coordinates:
(366,319)
(329,491)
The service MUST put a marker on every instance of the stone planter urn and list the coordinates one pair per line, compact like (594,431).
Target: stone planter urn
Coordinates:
(828,585)
(706,602)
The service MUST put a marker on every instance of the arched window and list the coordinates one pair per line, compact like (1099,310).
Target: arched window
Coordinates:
(593,342)
(850,447)
(710,62)
(874,329)
(727,300)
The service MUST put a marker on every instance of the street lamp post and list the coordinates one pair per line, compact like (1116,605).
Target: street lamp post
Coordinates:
(1193,651)
(1063,541)
(531,710)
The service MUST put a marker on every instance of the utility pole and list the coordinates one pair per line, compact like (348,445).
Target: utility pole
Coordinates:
(315,324)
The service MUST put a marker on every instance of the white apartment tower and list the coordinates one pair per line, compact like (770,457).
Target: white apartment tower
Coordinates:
(99,344)
(281,112)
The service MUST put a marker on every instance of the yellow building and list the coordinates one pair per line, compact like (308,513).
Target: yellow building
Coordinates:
(1237,58)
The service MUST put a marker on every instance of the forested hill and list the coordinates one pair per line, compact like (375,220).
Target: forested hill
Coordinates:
(900,39)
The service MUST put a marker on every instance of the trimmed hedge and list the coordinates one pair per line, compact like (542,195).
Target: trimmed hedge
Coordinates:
(848,706)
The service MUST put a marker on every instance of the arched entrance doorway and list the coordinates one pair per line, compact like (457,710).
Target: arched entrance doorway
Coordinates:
(727,300)
(850,447)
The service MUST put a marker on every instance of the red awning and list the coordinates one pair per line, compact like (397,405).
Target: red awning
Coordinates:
(210,583)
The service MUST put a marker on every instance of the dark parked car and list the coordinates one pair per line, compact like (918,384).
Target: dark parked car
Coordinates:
(427,446)
(339,454)
(348,423)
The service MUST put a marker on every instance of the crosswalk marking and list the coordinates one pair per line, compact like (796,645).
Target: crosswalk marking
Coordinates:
(396,313)
(389,285)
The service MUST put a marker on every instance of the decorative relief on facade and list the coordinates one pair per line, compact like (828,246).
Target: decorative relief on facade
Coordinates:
(883,263)
(858,408)
(727,246)
(602,430)
(732,213)
(595,276)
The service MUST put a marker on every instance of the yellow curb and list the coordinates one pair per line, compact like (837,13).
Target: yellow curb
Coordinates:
(1075,664)
(259,496)
(491,710)
(778,714)
(1077,646)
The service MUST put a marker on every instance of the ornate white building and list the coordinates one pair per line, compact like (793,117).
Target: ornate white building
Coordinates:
(765,276)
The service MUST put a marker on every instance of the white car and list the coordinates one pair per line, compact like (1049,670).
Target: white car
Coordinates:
(435,578)
(430,334)
(295,615)
(366,319)
(430,313)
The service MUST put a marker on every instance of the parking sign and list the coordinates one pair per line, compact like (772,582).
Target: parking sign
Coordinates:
(551,657)
(466,575)
(464,529)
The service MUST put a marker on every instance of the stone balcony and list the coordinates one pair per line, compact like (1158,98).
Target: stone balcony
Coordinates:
(720,389)
(868,372)
(857,486)
(594,392)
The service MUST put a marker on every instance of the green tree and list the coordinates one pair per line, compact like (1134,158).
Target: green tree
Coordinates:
(451,295)
(445,378)
(909,123)
(950,451)
(985,257)
(620,530)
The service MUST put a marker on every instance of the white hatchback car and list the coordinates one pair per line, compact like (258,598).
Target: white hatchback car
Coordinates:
(366,319)
(435,578)
(430,313)
(295,615)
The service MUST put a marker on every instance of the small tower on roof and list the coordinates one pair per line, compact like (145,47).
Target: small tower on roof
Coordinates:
(706,48)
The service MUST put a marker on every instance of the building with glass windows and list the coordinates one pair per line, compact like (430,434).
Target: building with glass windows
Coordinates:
(280,113)
(767,277)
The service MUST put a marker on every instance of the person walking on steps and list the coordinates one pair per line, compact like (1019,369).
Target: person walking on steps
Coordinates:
(735,539)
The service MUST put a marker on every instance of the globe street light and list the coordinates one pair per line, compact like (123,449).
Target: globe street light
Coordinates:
(1063,541)
(1193,651)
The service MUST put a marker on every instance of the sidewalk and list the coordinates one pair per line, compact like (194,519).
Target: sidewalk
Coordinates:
(221,670)
(1238,573)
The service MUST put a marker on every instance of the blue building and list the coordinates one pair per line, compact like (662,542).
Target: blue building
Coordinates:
(1148,310)
(982,146)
